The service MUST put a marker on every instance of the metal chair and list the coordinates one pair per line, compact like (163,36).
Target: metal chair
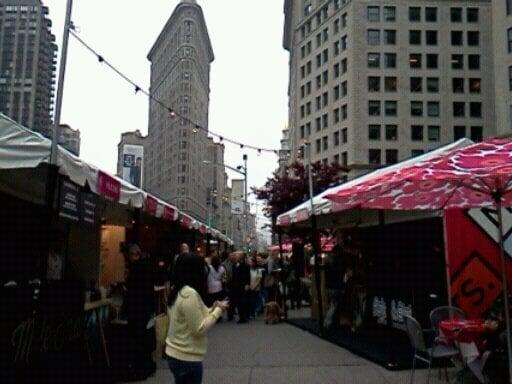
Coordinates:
(442,313)
(421,352)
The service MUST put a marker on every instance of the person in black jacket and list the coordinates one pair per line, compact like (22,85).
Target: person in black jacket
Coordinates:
(240,285)
(139,307)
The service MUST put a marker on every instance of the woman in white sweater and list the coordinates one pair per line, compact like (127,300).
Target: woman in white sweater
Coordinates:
(189,320)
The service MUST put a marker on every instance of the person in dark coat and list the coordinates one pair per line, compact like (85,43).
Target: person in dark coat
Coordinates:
(240,284)
(138,308)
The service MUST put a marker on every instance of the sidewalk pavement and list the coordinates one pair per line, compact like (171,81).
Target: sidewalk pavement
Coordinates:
(256,353)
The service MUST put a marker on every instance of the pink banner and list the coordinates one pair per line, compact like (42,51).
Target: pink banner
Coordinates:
(186,222)
(108,186)
(168,213)
(150,205)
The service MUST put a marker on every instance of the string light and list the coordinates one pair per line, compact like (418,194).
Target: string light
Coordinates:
(172,113)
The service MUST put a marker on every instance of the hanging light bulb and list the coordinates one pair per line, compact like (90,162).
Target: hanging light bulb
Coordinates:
(171,112)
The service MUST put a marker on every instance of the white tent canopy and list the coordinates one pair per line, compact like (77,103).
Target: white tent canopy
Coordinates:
(323,206)
(21,148)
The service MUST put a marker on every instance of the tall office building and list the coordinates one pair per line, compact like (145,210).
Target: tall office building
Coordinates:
(27,64)
(502,25)
(216,179)
(180,78)
(375,82)
(69,138)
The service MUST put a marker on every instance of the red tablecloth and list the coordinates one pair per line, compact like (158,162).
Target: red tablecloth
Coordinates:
(463,331)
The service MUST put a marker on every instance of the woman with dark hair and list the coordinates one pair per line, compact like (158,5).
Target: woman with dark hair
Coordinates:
(216,274)
(189,320)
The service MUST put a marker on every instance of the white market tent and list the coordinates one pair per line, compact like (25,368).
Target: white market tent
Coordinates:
(22,151)
(326,209)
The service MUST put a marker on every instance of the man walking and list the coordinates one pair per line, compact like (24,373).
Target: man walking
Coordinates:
(240,288)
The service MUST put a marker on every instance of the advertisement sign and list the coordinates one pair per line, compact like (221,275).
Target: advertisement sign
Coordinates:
(473,252)
(133,164)
(88,208)
(237,207)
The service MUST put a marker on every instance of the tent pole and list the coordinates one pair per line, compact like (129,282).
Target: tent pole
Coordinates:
(505,287)
(447,262)
(280,239)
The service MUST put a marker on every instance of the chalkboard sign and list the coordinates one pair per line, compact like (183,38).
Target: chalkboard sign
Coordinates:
(88,208)
(69,204)
(76,205)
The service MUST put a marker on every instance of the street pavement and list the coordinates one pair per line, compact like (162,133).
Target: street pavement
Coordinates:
(256,353)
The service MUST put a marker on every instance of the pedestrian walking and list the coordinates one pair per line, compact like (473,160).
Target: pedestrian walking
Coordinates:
(240,288)
(228,264)
(189,320)
(216,273)
(139,307)
(256,298)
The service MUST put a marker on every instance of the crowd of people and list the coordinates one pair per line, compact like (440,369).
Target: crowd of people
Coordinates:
(203,290)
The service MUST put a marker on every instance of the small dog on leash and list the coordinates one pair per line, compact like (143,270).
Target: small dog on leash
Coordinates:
(273,312)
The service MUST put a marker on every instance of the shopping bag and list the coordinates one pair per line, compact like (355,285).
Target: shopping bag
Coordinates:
(161,330)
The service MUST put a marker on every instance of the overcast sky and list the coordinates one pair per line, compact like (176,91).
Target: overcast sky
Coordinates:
(249,76)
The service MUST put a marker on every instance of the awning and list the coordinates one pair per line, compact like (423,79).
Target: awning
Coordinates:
(21,148)
(322,206)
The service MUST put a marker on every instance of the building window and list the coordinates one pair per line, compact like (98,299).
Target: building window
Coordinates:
(308,7)
(344,66)
(433,109)
(374,156)
(391,156)
(336,70)
(390,84)
(374,132)
(373,37)
(510,78)
(509,6)
(344,159)
(414,14)
(391,108)
(415,60)
(336,115)
(474,85)
(391,132)
(457,38)
(344,135)
(374,60)
(417,152)
(325,143)
(459,132)
(318,145)
(415,37)
(432,61)
(474,62)
(344,89)
(374,107)
(509,40)
(431,37)
(417,132)
(433,84)
(302,132)
(373,13)
(456,15)
(389,13)
(434,133)
(373,84)
(343,20)
(473,38)
(336,92)
(475,109)
(417,108)
(477,134)
(390,37)
(390,60)
(457,62)
(459,109)
(472,15)
(416,84)
(325,121)
(336,139)
(336,159)
(431,14)
(458,85)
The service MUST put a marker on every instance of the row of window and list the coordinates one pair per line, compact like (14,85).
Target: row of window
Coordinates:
(417,14)
(389,60)
(417,108)
(416,84)
(389,37)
